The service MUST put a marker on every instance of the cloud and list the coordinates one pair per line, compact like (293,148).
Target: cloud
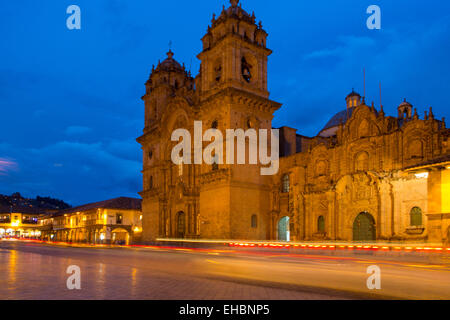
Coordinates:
(75,172)
(411,64)
(7,165)
(77,130)
(348,45)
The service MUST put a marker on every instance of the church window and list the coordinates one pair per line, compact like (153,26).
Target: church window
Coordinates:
(321,168)
(218,72)
(285,184)
(215,124)
(150,182)
(246,70)
(254,221)
(362,162)
(416,149)
(416,217)
(363,130)
(321,224)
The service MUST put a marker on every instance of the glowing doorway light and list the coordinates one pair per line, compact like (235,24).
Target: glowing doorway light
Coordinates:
(422,175)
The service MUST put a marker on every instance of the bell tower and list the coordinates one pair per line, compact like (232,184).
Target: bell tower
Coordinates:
(234,54)
(232,92)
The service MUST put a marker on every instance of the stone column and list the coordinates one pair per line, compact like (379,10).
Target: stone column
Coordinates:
(387,221)
(332,226)
(308,212)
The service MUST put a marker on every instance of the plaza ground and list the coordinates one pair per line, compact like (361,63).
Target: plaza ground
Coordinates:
(38,271)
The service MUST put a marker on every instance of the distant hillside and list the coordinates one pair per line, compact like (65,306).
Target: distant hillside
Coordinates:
(16,200)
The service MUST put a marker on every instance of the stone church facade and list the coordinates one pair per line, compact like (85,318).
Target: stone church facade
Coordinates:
(365,176)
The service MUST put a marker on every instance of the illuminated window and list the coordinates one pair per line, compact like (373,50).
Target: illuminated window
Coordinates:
(119,218)
(416,217)
(285,184)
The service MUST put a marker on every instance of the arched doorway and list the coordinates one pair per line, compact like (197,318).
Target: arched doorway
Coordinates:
(120,236)
(181,225)
(283,229)
(364,227)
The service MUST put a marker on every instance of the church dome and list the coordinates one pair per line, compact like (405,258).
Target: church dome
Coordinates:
(330,128)
(405,104)
(170,64)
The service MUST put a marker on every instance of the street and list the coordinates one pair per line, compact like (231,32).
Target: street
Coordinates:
(38,271)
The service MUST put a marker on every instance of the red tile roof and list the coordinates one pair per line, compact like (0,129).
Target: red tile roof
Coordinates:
(123,203)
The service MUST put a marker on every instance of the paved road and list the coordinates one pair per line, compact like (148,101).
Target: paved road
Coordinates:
(37,271)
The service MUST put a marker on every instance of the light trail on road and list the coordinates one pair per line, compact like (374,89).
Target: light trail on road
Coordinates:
(38,271)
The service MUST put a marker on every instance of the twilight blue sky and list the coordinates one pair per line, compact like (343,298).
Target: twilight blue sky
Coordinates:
(70,100)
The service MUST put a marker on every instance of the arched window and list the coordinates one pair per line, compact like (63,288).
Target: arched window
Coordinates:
(416,149)
(286,184)
(416,217)
(364,129)
(321,224)
(362,161)
(321,168)
(254,221)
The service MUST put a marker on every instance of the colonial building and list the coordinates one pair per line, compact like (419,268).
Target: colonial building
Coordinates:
(19,222)
(116,221)
(363,177)
(355,180)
